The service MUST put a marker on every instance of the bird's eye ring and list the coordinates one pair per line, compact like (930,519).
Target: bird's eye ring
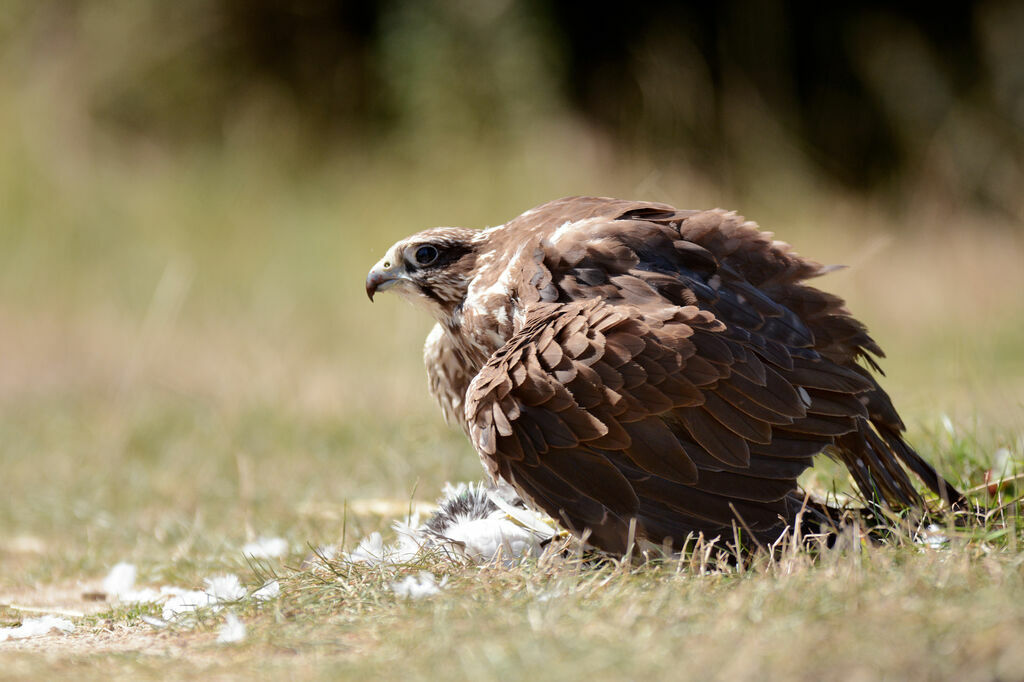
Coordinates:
(426,254)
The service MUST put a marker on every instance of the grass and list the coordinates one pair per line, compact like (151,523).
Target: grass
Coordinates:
(858,612)
(187,361)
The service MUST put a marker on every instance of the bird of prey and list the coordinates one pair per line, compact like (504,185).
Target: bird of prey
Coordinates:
(625,362)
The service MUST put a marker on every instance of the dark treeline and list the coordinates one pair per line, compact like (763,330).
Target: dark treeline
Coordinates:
(865,93)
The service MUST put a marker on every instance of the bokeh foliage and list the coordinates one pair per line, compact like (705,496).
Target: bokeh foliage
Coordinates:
(874,97)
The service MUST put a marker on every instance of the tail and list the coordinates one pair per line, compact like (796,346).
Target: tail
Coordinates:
(878,458)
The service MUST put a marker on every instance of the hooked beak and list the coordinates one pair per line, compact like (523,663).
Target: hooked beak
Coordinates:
(383,276)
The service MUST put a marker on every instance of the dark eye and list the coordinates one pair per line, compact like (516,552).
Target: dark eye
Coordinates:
(426,254)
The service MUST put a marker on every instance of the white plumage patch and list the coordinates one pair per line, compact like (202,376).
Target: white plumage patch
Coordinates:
(474,521)
(479,296)
(478,519)
(568,227)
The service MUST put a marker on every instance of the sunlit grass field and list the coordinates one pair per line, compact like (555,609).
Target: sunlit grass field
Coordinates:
(188,361)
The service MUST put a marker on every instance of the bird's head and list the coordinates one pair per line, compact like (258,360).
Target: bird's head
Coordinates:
(432,269)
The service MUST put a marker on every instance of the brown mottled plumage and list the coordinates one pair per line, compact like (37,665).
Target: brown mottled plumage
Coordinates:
(618,360)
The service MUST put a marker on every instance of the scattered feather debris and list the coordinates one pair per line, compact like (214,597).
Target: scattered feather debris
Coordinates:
(370,550)
(934,537)
(266,548)
(271,590)
(120,585)
(34,627)
(232,631)
(219,589)
(185,602)
(473,521)
(120,580)
(326,552)
(418,586)
(483,540)
(178,601)
(225,587)
(154,622)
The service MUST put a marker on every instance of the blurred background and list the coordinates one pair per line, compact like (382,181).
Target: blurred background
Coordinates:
(192,192)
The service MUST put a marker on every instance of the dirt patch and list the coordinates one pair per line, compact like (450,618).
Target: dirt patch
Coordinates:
(112,638)
(76,601)
(73,600)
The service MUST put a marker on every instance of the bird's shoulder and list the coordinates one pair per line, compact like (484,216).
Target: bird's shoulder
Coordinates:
(592,238)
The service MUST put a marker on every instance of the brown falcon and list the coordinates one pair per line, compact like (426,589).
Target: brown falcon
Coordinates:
(617,360)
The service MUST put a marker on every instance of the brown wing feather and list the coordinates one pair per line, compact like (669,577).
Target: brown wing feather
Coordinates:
(767,273)
(679,372)
(587,458)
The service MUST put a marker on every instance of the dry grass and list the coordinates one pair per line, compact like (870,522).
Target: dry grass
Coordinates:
(858,612)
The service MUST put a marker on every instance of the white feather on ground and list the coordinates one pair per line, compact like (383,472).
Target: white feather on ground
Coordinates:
(474,521)
(232,631)
(270,590)
(34,627)
(178,601)
(120,580)
(418,586)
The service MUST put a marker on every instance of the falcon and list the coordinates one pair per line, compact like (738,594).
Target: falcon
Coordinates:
(642,372)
